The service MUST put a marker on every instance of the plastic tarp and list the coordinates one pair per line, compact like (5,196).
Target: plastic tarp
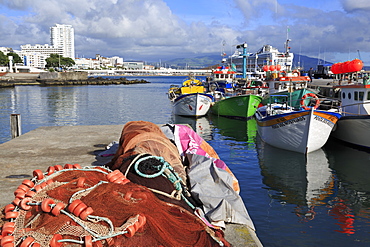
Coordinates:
(210,179)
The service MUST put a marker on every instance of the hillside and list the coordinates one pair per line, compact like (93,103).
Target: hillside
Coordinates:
(194,63)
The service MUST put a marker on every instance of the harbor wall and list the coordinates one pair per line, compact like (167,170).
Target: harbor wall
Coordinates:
(64,76)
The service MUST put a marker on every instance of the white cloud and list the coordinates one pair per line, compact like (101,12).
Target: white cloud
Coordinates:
(149,29)
(356,5)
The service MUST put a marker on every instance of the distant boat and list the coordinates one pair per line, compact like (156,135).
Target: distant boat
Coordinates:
(267,58)
(302,131)
(354,126)
(190,99)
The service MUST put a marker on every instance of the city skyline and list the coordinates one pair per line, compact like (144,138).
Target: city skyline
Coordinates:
(152,30)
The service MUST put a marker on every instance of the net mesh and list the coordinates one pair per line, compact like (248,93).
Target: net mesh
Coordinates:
(114,205)
(123,214)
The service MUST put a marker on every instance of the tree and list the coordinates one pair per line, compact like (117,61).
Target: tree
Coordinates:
(67,62)
(16,58)
(56,61)
(3,59)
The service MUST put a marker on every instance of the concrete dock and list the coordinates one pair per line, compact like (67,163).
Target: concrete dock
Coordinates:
(60,145)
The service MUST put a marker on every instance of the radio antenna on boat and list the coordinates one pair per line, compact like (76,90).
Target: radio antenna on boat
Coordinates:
(359,56)
(223,53)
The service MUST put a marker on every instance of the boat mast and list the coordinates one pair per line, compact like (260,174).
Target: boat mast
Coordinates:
(287,47)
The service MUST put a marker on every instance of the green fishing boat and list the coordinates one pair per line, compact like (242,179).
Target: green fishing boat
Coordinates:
(240,106)
(294,97)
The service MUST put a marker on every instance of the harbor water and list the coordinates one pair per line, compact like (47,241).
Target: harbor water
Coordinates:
(319,200)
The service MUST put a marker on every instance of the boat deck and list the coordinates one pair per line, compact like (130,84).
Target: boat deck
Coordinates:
(59,145)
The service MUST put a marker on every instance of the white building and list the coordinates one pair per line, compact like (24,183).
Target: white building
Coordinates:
(36,55)
(62,43)
(34,59)
(63,36)
(42,49)
(6,50)
(87,63)
(133,65)
(116,61)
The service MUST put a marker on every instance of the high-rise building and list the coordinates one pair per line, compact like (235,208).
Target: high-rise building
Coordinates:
(63,36)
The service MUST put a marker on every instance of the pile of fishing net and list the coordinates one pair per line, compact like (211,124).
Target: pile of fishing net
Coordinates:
(94,206)
(140,198)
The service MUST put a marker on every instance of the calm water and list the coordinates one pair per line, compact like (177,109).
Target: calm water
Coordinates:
(321,200)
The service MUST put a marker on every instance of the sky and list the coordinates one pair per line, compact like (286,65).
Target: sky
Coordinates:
(160,30)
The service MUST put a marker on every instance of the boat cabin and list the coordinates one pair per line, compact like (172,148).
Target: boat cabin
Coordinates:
(282,81)
(355,99)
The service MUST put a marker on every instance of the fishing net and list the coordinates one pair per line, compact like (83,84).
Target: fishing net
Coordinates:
(162,169)
(95,206)
(113,205)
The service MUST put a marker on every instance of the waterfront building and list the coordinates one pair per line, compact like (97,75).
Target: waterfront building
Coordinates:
(133,65)
(86,63)
(116,61)
(63,36)
(36,55)
(62,43)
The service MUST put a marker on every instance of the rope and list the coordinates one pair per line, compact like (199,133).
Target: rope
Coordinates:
(166,170)
(133,162)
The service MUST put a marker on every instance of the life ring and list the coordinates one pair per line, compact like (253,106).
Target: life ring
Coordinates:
(296,72)
(317,103)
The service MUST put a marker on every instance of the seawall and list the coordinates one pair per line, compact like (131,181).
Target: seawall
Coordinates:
(60,78)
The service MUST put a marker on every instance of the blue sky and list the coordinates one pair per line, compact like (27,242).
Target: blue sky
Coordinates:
(153,30)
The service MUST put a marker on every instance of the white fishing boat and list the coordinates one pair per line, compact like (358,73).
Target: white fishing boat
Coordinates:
(354,125)
(190,99)
(302,131)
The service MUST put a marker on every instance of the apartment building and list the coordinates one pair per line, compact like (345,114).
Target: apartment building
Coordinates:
(62,43)
(63,36)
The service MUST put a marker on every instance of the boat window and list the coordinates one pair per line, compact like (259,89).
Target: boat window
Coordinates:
(349,96)
(361,96)
(343,95)
(356,95)
(368,95)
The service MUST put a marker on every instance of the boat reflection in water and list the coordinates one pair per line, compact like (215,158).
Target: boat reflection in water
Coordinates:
(302,180)
(200,125)
(238,130)
(333,180)
(352,202)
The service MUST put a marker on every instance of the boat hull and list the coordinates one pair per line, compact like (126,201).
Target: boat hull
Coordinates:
(192,105)
(298,131)
(241,106)
(354,130)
